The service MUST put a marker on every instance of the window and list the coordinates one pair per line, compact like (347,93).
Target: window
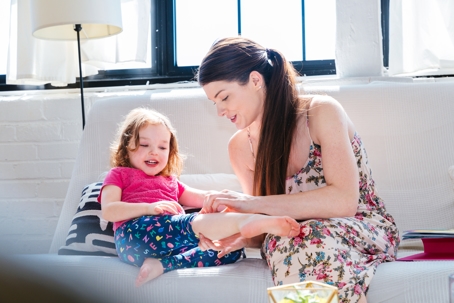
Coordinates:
(303,30)
(183,30)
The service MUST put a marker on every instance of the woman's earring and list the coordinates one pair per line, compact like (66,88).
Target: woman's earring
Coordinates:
(260,87)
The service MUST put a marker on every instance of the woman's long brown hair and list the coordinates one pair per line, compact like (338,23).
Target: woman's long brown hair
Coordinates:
(233,59)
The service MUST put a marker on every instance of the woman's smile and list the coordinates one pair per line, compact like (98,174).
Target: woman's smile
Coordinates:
(233,119)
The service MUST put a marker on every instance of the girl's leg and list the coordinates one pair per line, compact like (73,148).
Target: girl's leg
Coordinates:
(160,236)
(176,232)
(195,257)
(217,226)
(150,269)
(143,241)
(155,237)
(191,258)
(131,242)
(167,239)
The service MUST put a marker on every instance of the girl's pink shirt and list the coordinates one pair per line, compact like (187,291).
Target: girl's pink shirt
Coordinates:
(136,186)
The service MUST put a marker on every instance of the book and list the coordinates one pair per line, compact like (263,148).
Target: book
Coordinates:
(438,244)
(428,233)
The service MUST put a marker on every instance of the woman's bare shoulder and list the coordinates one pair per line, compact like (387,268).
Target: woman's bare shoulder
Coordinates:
(316,101)
(240,150)
(237,138)
(322,106)
(238,143)
(325,114)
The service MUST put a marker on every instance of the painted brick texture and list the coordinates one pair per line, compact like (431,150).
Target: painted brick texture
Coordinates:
(39,137)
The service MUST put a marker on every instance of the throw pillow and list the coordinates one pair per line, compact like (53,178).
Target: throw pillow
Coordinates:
(89,234)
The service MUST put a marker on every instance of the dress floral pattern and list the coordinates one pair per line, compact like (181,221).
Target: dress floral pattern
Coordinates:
(344,252)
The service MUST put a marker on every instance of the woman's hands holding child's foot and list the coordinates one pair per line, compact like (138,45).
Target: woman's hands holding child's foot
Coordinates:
(227,200)
(223,246)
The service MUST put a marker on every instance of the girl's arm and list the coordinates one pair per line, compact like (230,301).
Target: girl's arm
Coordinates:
(192,197)
(331,128)
(114,210)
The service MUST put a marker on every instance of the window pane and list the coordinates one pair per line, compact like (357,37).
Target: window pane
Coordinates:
(131,48)
(320,19)
(199,23)
(4,34)
(274,25)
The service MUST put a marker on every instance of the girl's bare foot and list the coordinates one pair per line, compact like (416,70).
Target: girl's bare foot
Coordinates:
(151,268)
(280,226)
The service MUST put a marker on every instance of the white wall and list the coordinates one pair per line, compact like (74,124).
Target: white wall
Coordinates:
(39,135)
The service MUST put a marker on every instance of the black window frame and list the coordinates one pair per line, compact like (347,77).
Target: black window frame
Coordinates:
(163,53)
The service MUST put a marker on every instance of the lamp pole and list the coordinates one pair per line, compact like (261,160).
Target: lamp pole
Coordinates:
(78,28)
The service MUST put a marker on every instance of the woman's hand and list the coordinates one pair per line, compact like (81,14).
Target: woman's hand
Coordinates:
(166,207)
(227,201)
(223,246)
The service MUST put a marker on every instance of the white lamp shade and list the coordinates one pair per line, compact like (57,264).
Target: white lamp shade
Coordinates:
(55,19)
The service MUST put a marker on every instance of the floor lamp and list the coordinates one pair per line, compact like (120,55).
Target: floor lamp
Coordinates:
(69,19)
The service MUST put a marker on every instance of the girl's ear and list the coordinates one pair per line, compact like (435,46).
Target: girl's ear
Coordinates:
(256,79)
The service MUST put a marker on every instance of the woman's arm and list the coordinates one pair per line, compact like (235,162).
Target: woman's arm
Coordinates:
(331,128)
(114,210)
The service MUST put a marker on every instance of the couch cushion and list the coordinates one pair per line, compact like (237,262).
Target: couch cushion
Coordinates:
(109,280)
(89,234)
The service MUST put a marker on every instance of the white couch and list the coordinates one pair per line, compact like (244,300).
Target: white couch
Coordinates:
(408,132)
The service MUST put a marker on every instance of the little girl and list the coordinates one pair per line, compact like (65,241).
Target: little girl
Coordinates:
(142,196)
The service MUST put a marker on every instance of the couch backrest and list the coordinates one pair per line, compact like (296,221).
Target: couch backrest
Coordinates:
(406,127)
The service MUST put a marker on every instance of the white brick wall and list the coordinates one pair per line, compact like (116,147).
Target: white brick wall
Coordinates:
(39,136)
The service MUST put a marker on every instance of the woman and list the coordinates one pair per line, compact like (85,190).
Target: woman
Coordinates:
(298,156)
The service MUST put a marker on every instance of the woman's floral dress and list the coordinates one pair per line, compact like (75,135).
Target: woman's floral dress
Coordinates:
(344,252)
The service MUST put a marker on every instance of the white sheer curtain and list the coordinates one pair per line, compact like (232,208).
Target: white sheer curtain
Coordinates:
(33,61)
(421,37)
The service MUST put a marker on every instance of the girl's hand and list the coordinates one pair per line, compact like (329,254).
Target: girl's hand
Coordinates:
(223,246)
(166,207)
(227,201)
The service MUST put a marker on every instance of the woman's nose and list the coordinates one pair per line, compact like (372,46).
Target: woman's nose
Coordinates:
(220,110)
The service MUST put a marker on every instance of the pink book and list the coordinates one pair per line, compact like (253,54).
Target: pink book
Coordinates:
(438,245)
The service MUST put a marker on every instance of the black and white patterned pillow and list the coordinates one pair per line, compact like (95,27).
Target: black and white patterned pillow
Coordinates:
(89,234)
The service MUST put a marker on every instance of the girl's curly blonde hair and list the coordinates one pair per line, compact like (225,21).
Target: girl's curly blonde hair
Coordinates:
(129,130)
